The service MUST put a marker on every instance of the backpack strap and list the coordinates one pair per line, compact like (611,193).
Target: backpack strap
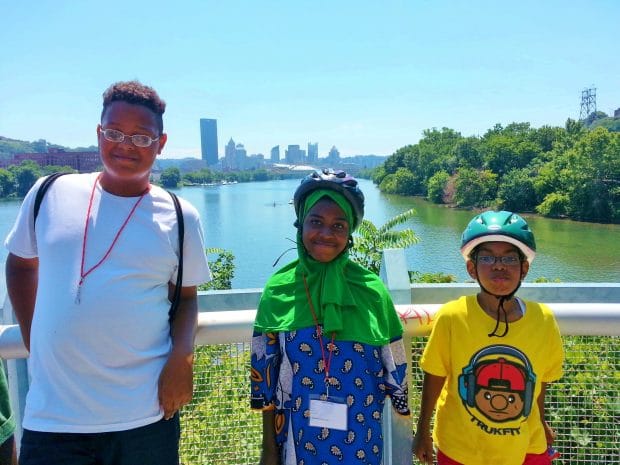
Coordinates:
(45,185)
(177,290)
(47,182)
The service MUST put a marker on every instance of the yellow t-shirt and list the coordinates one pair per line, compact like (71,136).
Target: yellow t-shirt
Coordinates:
(487,411)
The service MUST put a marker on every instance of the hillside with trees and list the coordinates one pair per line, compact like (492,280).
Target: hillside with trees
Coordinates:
(565,172)
(9,147)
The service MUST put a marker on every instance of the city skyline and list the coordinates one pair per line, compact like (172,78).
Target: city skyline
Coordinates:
(365,77)
(234,152)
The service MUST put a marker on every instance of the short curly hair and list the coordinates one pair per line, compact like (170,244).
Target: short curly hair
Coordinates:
(136,93)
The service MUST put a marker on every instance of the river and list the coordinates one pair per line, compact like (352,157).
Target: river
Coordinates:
(255,222)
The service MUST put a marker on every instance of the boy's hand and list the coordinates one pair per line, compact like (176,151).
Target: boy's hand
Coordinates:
(550,434)
(176,383)
(423,447)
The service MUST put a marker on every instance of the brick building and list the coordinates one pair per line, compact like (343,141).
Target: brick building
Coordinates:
(83,162)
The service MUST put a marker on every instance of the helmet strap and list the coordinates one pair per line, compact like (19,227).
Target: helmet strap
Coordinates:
(500,307)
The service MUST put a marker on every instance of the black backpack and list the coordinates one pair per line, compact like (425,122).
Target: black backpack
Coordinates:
(47,182)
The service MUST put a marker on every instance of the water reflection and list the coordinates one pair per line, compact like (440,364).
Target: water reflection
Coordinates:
(255,222)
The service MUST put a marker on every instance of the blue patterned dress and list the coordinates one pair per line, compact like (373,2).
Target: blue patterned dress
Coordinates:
(288,369)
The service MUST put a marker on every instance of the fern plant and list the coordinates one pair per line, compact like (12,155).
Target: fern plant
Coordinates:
(370,240)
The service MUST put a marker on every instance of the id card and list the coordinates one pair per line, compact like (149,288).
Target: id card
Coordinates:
(328,414)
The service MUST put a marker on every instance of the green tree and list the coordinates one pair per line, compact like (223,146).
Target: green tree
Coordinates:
(516,191)
(611,124)
(474,188)
(170,177)
(593,177)
(7,183)
(402,182)
(260,175)
(553,205)
(26,174)
(370,241)
(503,153)
(467,153)
(222,269)
(436,152)
(594,116)
(437,185)
(378,175)
(39,146)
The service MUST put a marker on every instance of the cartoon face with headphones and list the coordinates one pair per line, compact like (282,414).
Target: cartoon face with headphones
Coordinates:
(499,383)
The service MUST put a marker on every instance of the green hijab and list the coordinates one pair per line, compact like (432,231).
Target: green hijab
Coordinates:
(349,300)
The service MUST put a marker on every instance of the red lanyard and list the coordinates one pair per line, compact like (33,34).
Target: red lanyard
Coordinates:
(326,361)
(84,274)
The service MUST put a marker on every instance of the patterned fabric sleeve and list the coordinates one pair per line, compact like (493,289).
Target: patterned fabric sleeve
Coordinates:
(396,383)
(265,366)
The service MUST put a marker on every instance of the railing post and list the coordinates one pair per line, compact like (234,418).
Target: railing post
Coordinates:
(397,430)
(17,377)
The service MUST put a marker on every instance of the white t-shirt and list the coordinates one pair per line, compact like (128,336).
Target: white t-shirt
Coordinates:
(94,365)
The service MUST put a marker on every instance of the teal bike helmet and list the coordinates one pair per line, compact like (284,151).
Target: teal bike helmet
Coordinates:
(502,226)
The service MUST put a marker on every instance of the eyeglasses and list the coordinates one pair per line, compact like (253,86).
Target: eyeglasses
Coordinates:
(139,140)
(508,260)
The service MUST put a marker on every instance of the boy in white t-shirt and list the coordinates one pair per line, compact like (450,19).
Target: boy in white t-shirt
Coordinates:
(91,287)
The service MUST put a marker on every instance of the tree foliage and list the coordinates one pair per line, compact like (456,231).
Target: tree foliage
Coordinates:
(569,171)
(222,269)
(437,186)
(170,177)
(25,176)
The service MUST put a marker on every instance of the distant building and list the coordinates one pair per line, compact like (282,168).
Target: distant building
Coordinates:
(255,161)
(333,156)
(241,155)
(617,113)
(228,162)
(294,155)
(313,153)
(208,141)
(275,154)
(235,157)
(83,162)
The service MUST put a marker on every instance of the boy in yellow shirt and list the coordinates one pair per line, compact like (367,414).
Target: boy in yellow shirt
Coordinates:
(489,358)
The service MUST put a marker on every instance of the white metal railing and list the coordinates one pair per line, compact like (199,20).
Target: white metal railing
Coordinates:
(226,317)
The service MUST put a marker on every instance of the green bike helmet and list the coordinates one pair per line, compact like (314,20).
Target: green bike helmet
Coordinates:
(502,226)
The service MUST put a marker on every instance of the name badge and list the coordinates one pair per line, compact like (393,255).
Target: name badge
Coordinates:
(328,414)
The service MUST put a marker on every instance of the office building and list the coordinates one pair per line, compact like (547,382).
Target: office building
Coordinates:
(334,154)
(208,141)
(294,155)
(313,153)
(275,154)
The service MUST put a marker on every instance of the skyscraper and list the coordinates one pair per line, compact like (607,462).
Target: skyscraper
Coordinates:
(208,141)
(313,152)
(294,155)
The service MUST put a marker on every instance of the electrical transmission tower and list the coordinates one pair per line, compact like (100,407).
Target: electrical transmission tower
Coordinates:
(588,103)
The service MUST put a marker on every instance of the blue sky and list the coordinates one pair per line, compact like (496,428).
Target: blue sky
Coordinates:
(365,76)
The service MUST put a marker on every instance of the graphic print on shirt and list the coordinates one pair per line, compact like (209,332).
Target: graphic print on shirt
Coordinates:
(497,386)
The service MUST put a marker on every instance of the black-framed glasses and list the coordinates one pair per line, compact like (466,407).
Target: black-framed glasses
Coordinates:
(139,140)
(507,260)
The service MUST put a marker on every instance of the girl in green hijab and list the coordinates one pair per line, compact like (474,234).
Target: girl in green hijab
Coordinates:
(327,345)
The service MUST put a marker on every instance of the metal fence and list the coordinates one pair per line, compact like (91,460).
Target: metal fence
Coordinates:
(583,407)
(219,427)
